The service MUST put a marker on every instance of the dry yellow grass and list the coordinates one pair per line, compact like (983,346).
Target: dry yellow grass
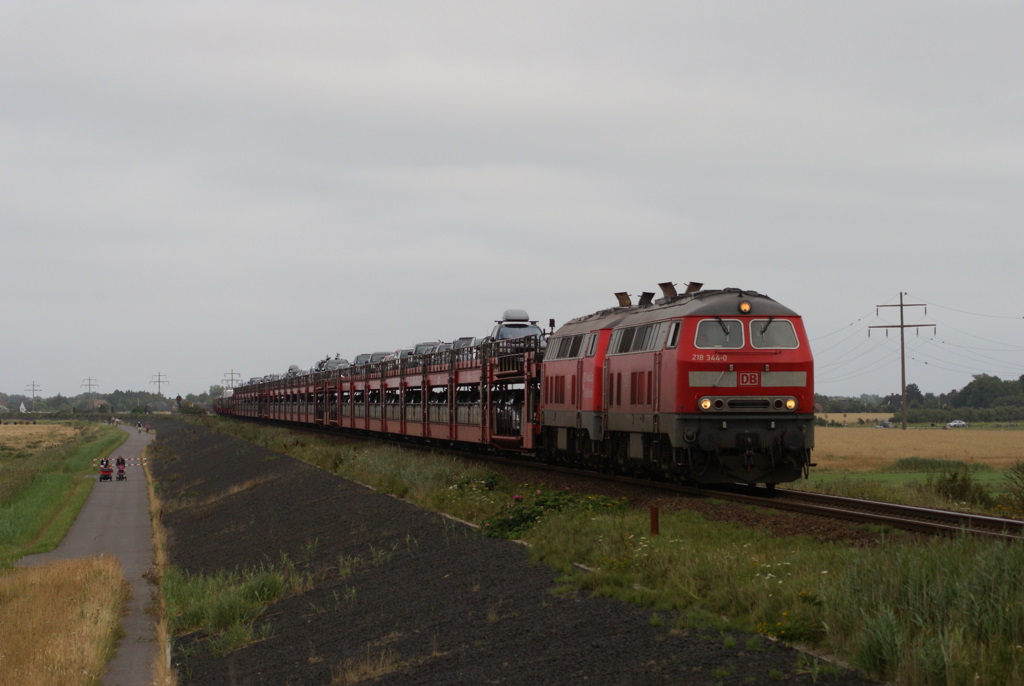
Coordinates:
(17,437)
(58,622)
(164,675)
(867,449)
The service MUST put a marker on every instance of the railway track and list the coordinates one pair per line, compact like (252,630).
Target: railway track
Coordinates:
(927,521)
(920,519)
(923,520)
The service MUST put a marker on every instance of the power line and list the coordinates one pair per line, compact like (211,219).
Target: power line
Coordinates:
(963,356)
(89,382)
(903,350)
(871,366)
(33,388)
(841,356)
(976,314)
(847,356)
(159,381)
(1007,347)
(844,328)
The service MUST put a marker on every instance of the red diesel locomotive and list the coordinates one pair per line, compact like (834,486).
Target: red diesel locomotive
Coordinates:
(706,387)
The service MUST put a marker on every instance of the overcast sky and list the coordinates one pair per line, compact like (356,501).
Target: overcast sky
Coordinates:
(197,191)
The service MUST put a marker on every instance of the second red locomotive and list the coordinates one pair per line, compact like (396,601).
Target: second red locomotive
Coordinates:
(707,387)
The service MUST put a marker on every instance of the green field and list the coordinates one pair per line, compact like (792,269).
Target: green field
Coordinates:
(41,484)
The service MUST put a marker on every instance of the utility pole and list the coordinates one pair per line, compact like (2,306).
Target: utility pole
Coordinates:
(160,381)
(903,354)
(229,380)
(89,383)
(33,389)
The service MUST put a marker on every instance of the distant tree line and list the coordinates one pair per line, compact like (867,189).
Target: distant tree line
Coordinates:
(117,402)
(985,399)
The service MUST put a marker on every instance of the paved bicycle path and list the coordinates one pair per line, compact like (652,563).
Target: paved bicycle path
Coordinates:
(115,521)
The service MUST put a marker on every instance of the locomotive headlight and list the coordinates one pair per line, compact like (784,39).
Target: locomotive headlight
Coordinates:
(705,404)
(791,404)
(745,307)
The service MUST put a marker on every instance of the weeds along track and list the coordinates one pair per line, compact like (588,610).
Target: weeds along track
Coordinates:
(642,493)
(929,521)
(920,519)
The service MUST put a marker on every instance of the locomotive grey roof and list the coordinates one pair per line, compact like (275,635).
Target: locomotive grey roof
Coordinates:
(598,320)
(724,302)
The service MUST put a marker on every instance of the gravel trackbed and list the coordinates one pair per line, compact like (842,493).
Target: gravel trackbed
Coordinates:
(404,596)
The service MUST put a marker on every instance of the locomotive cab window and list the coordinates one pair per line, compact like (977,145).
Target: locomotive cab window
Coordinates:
(673,335)
(554,349)
(635,339)
(564,348)
(641,339)
(574,346)
(719,333)
(772,333)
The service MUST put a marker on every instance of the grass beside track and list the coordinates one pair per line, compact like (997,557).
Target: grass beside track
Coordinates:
(938,612)
(227,604)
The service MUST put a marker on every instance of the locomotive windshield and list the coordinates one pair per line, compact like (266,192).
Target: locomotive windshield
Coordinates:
(772,333)
(719,333)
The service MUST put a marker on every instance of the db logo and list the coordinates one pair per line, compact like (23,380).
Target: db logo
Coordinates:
(748,379)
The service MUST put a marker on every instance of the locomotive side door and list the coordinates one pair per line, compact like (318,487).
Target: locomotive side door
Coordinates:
(577,393)
(606,392)
(655,391)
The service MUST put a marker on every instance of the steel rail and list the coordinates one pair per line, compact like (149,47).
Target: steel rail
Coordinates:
(920,519)
(910,518)
(924,520)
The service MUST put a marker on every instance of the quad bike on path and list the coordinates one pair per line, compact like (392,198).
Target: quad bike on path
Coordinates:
(107,472)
